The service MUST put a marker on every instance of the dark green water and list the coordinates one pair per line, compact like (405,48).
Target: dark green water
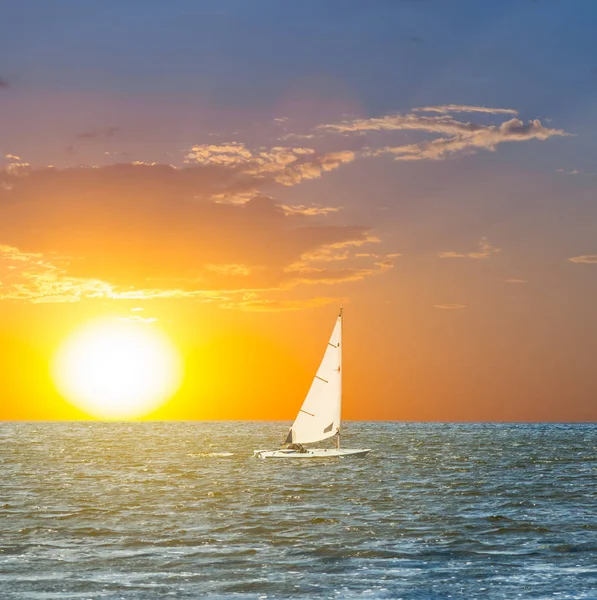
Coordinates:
(182,510)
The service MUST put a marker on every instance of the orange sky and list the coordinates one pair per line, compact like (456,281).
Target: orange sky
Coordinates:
(235,198)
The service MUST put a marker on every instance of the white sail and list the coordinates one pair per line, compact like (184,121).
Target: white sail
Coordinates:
(319,416)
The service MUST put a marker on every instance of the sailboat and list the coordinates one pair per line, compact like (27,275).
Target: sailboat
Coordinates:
(320,415)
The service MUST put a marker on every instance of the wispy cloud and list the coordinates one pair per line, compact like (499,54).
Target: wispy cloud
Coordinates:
(173,233)
(32,277)
(39,279)
(305,210)
(3,84)
(18,169)
(471,139)
(204,230)
(456,137)
(268,305)
(229,269)
(444,124)
(284,165)
(9,156)
(298,136)
(570,172)
(589,259)
(449,306)
(486,250)
(310,275)
(513,280)
(465,108)
(310,211)
(116,153)
(138,319)
(314,266)
(338,251)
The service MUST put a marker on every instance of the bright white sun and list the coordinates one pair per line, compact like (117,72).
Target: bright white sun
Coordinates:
(117,370)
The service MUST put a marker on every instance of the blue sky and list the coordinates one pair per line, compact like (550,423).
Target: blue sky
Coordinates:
(387,56)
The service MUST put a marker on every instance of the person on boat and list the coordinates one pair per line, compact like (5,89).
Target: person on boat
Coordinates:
(294,446)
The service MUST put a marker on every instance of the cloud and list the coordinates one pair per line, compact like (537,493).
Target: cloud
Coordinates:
(237,198)
(337,251)
(231,154)
(3,84)
(308,269)
(285,165)
(98,134)
(589,259)
(512,280)
(233,269)
(116,153)
(302,209)
(571,172)
(32,277)
(298,136)
(450,108)
(485,251)
(449,306)
(16,255)
(305,210)
(444,124)
(17,168)
(155,231)
(268,305)
(330,276)
(483,138)
(12,157)
(138,319)
(38,281)
(456,137)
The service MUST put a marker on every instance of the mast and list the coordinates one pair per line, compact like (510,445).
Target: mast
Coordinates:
(340,366)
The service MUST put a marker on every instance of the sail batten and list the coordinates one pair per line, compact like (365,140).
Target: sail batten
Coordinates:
(319,416)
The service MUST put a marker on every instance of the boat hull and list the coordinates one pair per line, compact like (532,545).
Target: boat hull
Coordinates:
(312,453)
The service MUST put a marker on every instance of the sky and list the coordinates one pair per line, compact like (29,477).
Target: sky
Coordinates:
(233,172)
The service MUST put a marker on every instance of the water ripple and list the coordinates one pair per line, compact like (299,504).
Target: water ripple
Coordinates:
(153,510)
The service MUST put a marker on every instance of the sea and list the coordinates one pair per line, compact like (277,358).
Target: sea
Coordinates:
(159,510)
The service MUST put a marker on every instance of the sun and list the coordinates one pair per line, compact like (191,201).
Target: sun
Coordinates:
(117,370)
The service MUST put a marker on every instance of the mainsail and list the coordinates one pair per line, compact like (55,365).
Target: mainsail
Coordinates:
(319,416)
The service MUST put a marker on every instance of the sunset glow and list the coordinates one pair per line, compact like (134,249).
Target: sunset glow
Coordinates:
(231,173)
(117,370)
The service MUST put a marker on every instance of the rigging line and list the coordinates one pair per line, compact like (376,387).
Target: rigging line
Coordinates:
(307,413)
(322,379)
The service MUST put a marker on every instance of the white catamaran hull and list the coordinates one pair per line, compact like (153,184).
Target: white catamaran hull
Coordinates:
(312,453)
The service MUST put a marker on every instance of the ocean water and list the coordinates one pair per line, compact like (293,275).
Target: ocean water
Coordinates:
(149,511)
